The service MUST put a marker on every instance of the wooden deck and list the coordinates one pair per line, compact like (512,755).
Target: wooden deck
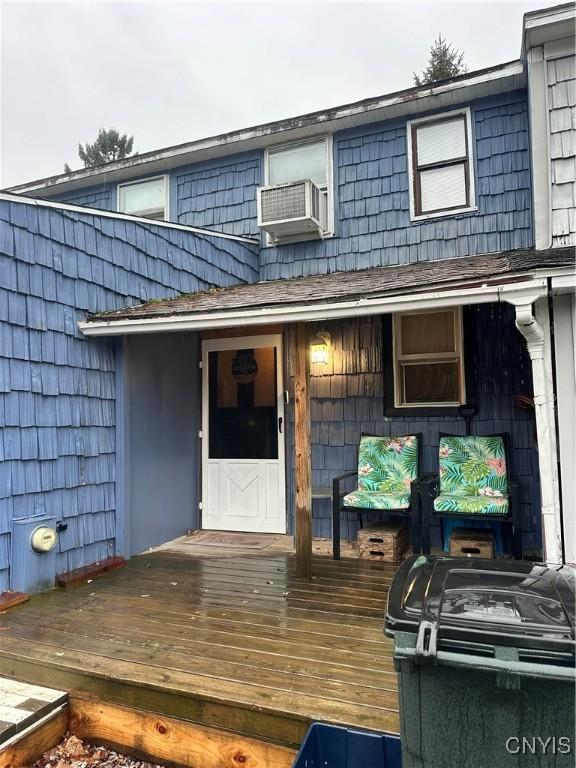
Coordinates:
(229,640)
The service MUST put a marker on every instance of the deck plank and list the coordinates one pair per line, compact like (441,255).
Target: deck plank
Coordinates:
(234,641)
(364,671)
(250,648)
(237,623)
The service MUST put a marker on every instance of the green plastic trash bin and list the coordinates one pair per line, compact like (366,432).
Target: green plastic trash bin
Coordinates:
(484,651)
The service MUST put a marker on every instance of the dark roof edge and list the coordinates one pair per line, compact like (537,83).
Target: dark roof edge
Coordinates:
(521,261)
(323,117)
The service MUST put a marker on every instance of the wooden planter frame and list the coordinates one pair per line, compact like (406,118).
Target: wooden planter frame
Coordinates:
(143,735)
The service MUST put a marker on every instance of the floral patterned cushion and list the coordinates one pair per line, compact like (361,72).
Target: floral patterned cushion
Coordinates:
(485,505)
(387,464)
(377,500)
(473,475)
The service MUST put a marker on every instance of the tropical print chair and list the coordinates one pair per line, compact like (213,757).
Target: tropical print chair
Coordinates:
(474,482)
(388,473)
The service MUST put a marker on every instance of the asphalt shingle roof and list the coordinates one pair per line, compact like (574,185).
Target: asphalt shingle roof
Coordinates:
(348,286)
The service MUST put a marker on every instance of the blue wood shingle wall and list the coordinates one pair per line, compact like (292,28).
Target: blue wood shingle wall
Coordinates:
(348,399)
(102,196)
(57,388)
(373,224)
(220,196)
(373,216)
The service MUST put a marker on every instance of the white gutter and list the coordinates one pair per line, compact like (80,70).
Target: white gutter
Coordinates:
(39,202)
(534,325)
(315,312)
(564,283)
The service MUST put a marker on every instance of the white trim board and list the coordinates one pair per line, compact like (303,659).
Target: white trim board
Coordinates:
(564,283)
(565,390)
(41,203)
(535,287)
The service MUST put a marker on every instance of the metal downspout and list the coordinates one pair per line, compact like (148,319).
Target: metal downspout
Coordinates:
(536,332)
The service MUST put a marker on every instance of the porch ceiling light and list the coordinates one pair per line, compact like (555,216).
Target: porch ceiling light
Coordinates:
(320,348)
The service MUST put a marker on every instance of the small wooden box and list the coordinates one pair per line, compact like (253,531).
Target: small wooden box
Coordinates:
(472,542)
(387,542)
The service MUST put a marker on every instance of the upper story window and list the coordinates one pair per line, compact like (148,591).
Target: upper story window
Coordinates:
(299,161)
(441,165)
(148,198)
(296,202)
(428,358)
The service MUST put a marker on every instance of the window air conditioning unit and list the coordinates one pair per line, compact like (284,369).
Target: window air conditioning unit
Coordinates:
(296,208)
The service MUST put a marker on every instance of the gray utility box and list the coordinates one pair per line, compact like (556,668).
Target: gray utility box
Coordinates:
(33,566)
(484,651)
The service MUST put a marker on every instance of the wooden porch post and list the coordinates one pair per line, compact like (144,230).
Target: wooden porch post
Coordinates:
(303,455)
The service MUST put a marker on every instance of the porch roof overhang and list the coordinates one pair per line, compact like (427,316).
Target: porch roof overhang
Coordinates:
(509,276)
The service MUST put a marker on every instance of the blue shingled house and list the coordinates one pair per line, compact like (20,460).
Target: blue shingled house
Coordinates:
(152,311)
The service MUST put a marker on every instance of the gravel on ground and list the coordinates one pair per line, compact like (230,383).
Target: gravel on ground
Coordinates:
(72,752)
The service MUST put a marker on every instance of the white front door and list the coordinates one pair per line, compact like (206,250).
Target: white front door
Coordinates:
(243,485)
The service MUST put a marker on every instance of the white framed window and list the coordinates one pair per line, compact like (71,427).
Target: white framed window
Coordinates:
(147,198)
(310,159)
(428,358)
(441,165)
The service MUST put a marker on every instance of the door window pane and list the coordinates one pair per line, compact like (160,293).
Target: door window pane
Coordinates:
(243,418)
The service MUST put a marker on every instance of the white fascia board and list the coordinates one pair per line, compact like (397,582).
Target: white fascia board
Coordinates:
(497,80)
(544,26)
(526,290)
(42,203)
(549,16)
(564,283)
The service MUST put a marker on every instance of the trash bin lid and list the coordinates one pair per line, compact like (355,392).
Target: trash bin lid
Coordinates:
(474,604)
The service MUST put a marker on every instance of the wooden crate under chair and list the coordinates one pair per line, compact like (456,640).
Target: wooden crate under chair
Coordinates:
(387,542)
(472,542)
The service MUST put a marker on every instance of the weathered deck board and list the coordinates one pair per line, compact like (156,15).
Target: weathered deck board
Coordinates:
(235,641)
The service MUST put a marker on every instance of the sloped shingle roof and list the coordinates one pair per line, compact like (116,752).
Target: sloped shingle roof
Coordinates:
(340,286)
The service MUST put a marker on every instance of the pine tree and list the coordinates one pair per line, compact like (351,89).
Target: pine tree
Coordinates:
(444,62)
(109,145)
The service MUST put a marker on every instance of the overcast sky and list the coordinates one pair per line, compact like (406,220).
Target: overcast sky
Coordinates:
(169,72)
